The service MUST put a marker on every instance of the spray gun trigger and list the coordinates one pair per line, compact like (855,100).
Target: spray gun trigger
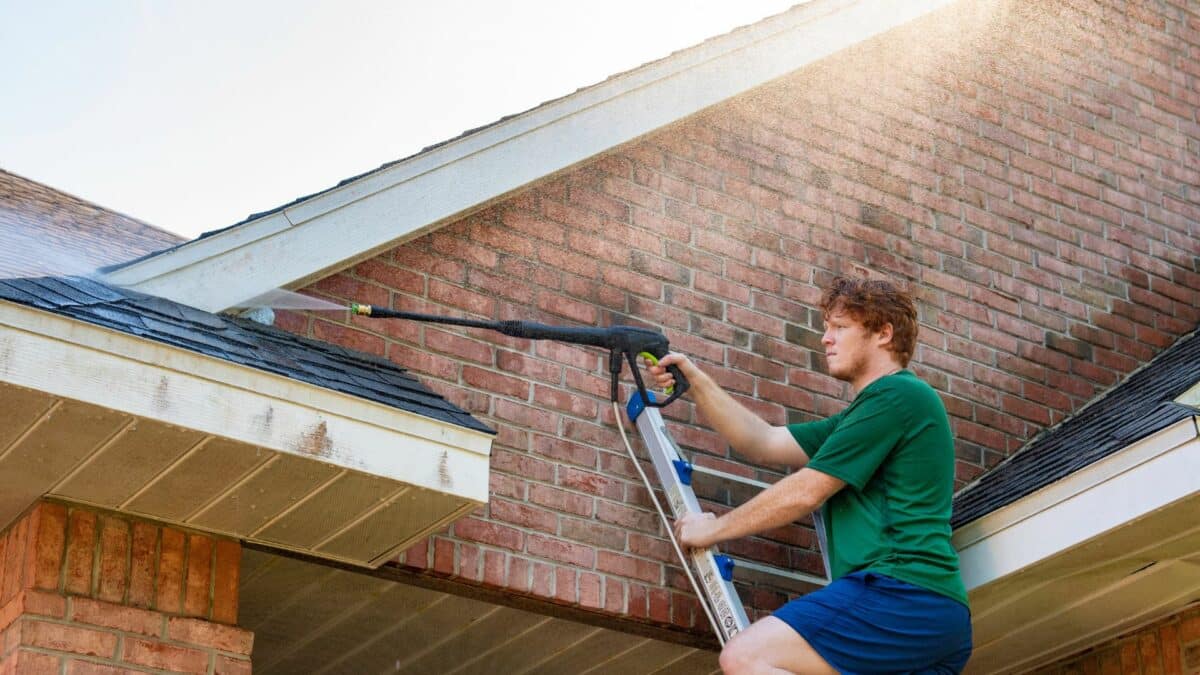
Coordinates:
(653,360)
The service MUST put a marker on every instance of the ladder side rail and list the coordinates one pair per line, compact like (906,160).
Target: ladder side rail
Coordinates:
(715,574)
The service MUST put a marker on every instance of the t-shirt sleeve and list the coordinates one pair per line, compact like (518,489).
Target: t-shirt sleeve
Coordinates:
(811,435)
(862,439)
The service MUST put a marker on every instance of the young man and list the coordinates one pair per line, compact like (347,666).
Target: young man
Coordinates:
(884,470)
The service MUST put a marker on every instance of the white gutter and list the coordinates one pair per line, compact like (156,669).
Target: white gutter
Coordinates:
(329,231)
(1139,479)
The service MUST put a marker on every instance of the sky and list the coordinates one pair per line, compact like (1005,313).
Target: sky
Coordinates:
(192,115)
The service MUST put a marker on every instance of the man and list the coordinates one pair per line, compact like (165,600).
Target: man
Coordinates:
(884,470)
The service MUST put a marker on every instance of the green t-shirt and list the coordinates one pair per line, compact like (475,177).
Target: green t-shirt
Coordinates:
(893,448)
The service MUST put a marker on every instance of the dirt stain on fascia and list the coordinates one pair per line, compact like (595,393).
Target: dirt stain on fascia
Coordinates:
(444,478)
(316,442)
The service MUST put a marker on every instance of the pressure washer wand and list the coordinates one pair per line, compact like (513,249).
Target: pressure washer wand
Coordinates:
(627,341)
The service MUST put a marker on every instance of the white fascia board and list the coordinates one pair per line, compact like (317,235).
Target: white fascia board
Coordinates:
(1139,479)
(85,362)
(335,228)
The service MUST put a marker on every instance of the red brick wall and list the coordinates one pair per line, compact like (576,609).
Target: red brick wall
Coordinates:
(85,592)
(1168,647)
(1027,168)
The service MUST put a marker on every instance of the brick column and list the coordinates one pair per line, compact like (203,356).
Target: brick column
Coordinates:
(85,592)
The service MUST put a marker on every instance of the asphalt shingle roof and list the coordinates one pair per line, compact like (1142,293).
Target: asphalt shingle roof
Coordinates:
(236,340)
(1139,406)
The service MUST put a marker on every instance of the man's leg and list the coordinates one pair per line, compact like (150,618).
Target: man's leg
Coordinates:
(772,646)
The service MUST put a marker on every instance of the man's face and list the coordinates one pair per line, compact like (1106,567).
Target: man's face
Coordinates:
(848,346)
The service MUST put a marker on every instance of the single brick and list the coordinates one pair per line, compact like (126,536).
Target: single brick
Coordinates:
(13,561)
(208,634)
(164,656)
(169,597)
(81,545)
(114,559)
(26,662)
(226,576)
(43,604)
(199,571)
(144,553)
(65,638)
(47,546)
(109,615)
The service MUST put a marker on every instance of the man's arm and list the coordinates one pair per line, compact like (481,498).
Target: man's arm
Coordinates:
(787,501)
(748,433)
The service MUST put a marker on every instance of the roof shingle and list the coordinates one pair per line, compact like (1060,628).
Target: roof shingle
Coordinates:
(238,341)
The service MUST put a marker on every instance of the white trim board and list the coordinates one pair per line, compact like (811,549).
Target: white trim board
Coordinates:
(84,362)
(328,231)
(1143,477)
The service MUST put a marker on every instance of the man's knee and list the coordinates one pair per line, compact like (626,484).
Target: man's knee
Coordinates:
(737,657)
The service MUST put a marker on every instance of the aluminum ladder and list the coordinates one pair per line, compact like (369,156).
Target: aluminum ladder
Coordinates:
(715,571)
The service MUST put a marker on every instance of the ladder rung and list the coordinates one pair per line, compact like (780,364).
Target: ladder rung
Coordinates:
(725,477)
(739,488)
(755,572)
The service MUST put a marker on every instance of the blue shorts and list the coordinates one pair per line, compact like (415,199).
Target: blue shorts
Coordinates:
(871,623)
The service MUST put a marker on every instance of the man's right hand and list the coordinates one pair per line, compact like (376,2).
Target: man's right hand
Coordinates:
(666,380)
(744,430)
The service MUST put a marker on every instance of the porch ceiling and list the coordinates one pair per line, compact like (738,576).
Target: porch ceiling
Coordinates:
(1146,569)
(315,619)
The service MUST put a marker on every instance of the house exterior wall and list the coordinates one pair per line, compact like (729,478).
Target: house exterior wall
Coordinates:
(1170,646)
(1027,169)
(83,592)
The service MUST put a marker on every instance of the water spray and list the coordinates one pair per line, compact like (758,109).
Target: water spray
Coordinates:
(628,342)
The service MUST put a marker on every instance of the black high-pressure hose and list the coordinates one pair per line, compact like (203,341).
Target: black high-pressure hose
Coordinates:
(630,341)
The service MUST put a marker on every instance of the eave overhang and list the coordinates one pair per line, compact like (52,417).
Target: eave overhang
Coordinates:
(104,418)
(316,236)
(1111,547)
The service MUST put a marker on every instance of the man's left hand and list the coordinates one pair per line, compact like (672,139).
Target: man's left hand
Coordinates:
(697,530)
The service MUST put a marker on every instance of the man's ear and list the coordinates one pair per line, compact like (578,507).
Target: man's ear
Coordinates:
(885,334)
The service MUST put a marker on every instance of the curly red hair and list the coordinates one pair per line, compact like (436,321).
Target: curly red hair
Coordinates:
(876,303)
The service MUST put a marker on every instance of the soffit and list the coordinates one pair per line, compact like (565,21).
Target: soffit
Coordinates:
(319,620)
(1146,569)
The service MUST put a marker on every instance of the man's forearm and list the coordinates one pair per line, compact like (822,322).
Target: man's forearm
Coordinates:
(742,429)
(781,504)
(787,501)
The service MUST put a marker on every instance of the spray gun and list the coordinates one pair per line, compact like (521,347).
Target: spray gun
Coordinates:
(620,341)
